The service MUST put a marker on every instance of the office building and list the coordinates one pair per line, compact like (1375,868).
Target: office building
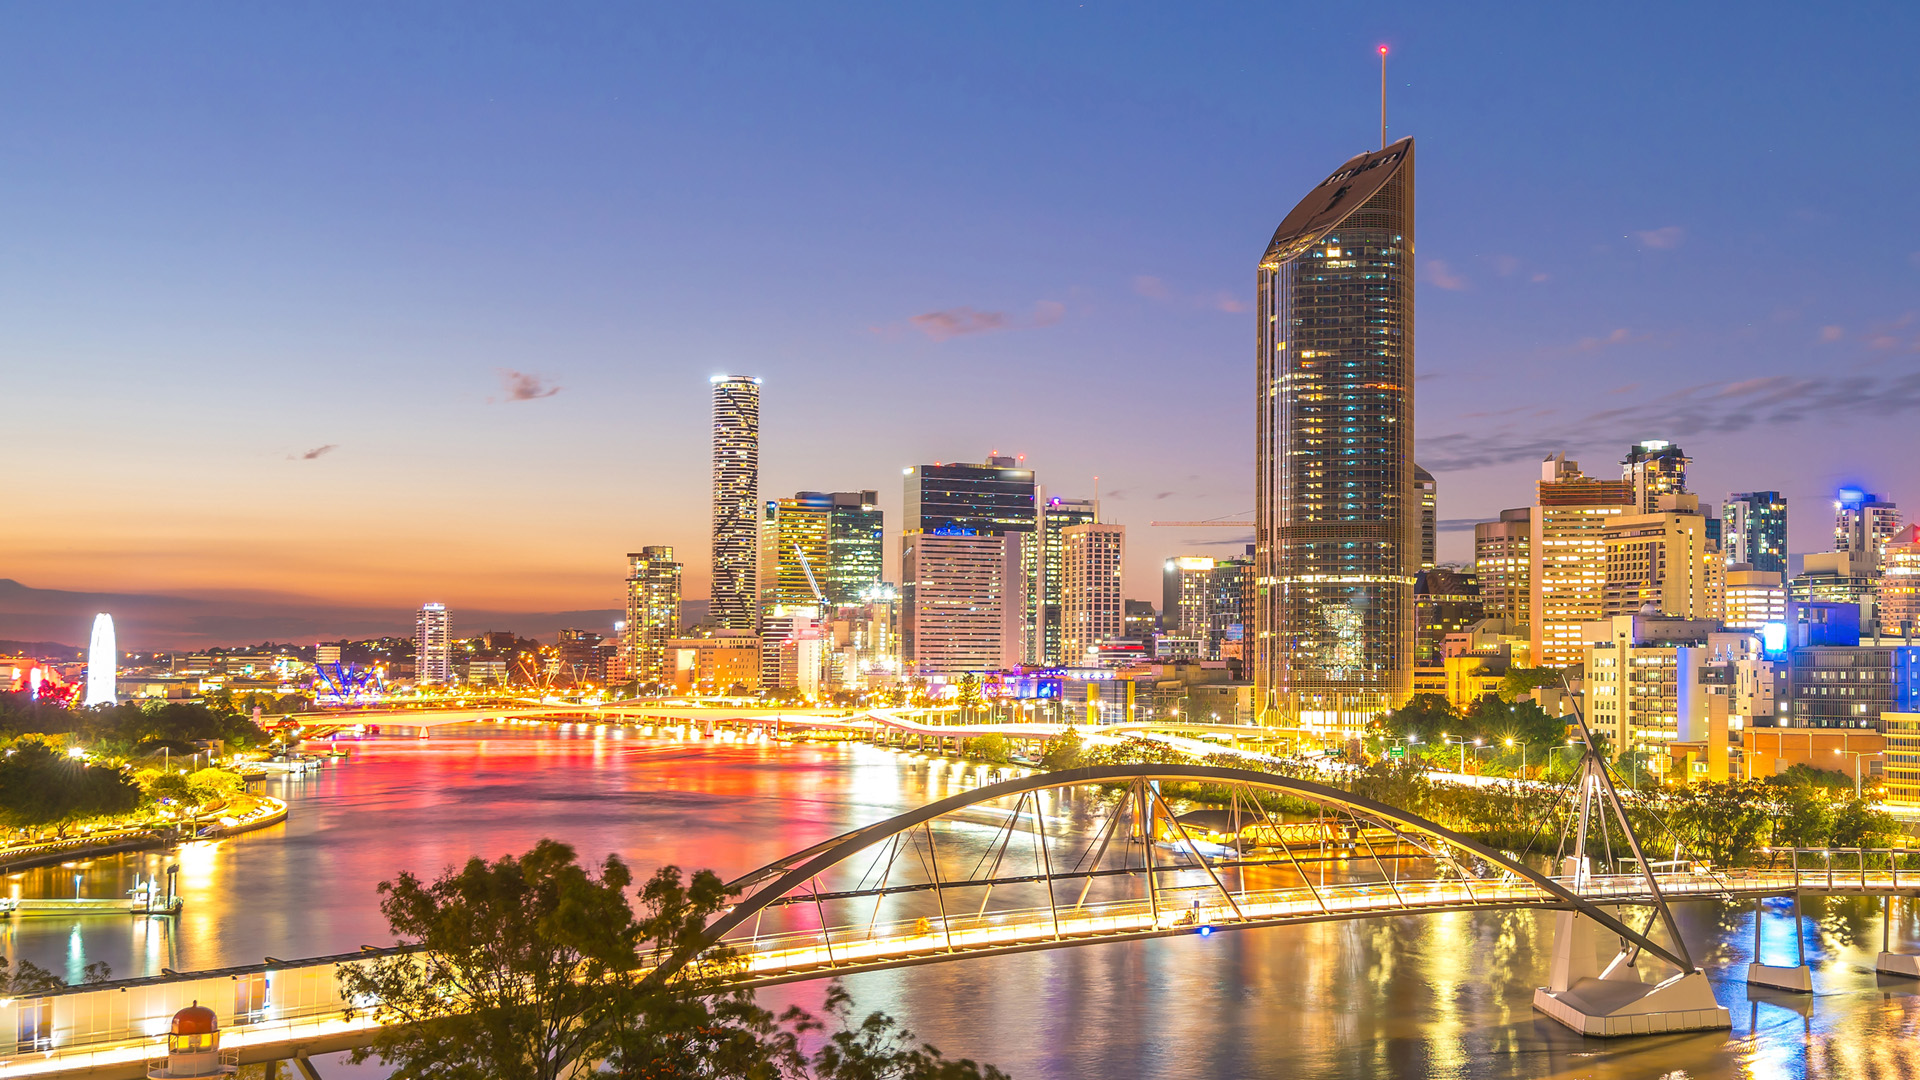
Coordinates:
(1754,530)
(1429,493)
(103,662)
(1229,585)
(1864,522)
(1754,598)
(1186,596)
(1665,561)
(1655,468)
(1337,518)
(1445,601)
(721,663)
(432,646)
(1092,612)
(1503,567)
(1143,622)
(856,546)
(1838,577)
(1898,602)
(1567,568)
(734,603)
(820,547)
(653,614)
(1653,681)
(581,662)
(1049,571)
(966,600)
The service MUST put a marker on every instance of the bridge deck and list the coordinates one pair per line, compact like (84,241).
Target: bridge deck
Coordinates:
(113,1031)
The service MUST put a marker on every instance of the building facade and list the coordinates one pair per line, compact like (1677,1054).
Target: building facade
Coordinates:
(1754,530)
(1503,567)
(1754,598)
(736,503)
(1666,559)
(432,646)
(1898,602)
(1092,612)
(1429,492)
(1656,468)
(653,614)
(1567,572)
(1186,595)
(1337,516)
(966,598)
(1864,522)
(1049,574)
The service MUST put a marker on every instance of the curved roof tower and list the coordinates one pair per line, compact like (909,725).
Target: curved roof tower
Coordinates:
(1337,516)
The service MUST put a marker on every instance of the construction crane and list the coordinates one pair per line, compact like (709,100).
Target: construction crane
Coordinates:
(811,584)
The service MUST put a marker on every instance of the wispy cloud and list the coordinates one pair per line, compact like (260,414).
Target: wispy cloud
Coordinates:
(1440,275)
(1770,401)
(1157,289)
(318,451)
(949,323)
(1832,333)
(1665,238)
(525,386)
(1619,336)
(1457,524)
(1151,287)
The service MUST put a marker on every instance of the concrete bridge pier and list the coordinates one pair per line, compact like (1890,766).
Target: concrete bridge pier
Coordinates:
(1611,1000)
(1890,962)
(1798,978)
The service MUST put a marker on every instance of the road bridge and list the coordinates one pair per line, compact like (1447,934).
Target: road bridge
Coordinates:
(1040,862)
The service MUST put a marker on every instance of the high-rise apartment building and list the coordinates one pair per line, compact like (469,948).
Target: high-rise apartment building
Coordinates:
(1655,468)
(1666,559)
(1429,492)
(1567,571)
(1337,518)
(1864,522)
(1049,572)
(1503,568)
(1754,530)
(1092,612)
(1899,599)
(432,646)
(736,503)
(1186,595)
(653,614)
(1227,607)
(966,604)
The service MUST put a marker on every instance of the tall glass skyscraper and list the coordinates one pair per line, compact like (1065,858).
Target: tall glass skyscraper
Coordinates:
(1337,516)
(736,503)
(1754,530)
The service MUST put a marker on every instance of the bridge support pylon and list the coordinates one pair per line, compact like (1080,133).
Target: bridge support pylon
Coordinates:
(1906,965)
(1798,978)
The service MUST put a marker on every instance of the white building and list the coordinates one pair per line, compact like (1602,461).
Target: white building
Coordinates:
(432,647)
(1754,599)
(1091,611)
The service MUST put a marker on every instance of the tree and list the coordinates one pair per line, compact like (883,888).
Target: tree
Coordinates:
(991,747)
(1424,716)
(1063,752)
(532,967)
(967,693)
(1723,821)
(39,785)
(1521,680)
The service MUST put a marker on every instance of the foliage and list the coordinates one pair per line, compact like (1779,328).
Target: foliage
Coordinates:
(20,978)
(215,785)
(39,785)
(1722,821)
(991,747)
(532,967)
(1424,717)
(120,728)
(1063,752)
(1496,721)
(166,786)
(1522,680)
(967,692)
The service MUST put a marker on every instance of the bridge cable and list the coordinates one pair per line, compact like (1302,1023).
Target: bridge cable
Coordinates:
(1182,828)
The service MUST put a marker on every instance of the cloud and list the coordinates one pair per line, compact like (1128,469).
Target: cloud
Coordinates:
(1457,524)
(1666,238)
(1540,277)
(1505,265)
(1151,287)
(961,321)
(1620,336)
(1768,402)
(524,386)
(1441,275)
(1230,304)
(318,451)
(1831,333)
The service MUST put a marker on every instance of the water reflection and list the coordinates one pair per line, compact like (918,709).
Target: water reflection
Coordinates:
(1445,995)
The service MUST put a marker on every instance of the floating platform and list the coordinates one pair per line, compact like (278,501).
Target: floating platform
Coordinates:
(125,905)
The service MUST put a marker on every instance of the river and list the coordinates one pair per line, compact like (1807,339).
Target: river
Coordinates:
(1444,995)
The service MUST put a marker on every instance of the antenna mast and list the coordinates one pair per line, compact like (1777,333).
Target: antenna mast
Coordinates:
(1383,97)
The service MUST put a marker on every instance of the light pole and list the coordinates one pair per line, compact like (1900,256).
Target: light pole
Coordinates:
(1444,739)
(1523,756)
(1857,755)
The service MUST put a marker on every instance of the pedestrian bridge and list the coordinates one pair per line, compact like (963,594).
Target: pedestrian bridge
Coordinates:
(1039,862)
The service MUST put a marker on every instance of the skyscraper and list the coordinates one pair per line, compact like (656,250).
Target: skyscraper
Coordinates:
(1503,567)
(856,546)
(1092,612)
(736,502)
(1429,491)
(818,546)
(1567,575)
(1864,522)
(1754,530)
(1049,574)
(1655,467)
(432,646)
(103,663)
(1186,596)
(653,613)
(1337,518)
(964,589)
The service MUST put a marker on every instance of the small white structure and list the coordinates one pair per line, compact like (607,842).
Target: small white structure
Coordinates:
(103,659)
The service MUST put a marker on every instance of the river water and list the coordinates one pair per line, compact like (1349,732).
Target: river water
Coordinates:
(1442,995)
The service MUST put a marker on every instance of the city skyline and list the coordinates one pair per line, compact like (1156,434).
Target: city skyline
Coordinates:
(1665,308)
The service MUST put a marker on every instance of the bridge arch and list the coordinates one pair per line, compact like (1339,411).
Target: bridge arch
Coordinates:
(1272,889)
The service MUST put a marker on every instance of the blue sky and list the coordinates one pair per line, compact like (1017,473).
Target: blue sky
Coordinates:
(231,236)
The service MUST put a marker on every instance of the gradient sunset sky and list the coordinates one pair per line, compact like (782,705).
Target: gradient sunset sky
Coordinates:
(373,304)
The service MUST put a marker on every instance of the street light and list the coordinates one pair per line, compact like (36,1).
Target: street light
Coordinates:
(1463,749)
(1523,756)
(1857,755)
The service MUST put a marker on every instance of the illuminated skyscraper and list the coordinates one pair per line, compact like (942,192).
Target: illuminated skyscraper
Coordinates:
(964,583)
(1655,467)
(653,613)
(1429,492)
(1049,573)
(1091,611)
(736,502)
(103,662)
(820,549)
(1337,517)
(432,646)
(1186,596)
(1754,530)
(1502,567)
(1864,522)
(1567,577)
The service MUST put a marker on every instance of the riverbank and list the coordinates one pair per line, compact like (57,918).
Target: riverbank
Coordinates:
(260,812)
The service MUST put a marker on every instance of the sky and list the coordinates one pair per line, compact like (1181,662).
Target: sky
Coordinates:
(324,307)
